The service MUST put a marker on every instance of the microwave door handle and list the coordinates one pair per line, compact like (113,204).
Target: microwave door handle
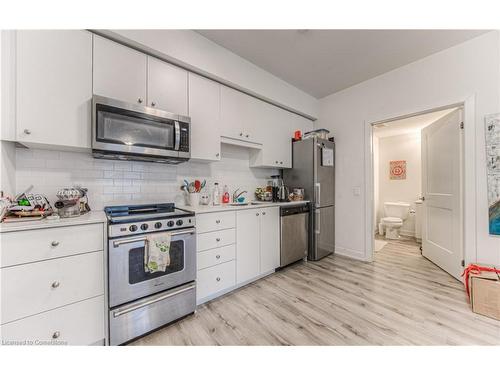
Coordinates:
(177,136)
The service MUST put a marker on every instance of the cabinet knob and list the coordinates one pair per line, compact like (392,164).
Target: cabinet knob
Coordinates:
(218,278)
(27,131)
(139,100)
(56,334)
(153,104)
(257,214)
(217,155)
(54,243)
(241,134)
(276,161)
(247,135)
(55,284)
(263,213)
(217,256)
(217,221)
(281,162)
(217,239)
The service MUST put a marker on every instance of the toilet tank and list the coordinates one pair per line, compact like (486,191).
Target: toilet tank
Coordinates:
(397,209)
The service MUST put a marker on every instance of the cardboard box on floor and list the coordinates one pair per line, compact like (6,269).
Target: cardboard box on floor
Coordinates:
(485,294)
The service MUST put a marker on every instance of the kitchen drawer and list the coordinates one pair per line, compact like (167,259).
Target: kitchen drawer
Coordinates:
(40,244)
(36,287)
(215,221)
(212,240)
(80,323)
(209,258)
(215,279)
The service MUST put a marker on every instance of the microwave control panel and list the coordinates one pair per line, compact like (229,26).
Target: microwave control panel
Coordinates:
(184,144)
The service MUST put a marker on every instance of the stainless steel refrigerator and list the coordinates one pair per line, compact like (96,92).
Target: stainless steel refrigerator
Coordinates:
(313,169)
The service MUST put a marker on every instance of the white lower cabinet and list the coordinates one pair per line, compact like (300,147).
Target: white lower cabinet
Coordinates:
(80,323)
(257,243)
(215,279)
(247,245)
(52,285)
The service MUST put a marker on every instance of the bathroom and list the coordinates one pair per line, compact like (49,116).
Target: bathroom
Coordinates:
(397,177)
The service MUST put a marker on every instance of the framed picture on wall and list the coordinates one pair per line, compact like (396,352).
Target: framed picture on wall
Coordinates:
(397,170)
(492,132)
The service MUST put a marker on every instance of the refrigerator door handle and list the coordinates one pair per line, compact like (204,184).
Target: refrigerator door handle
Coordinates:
(317,222)
(317,190)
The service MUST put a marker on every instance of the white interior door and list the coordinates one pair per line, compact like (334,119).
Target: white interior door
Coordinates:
(442,234)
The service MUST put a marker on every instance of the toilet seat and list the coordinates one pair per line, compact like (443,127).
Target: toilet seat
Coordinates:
(392,220)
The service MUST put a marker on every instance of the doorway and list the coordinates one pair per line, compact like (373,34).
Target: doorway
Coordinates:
(417,169)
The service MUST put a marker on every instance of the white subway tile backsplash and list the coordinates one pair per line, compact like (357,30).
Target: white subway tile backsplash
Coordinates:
(121,182)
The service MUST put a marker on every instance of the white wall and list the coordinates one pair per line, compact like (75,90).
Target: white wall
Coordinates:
(447,77)
(116,182)
(195,52)
(399,147)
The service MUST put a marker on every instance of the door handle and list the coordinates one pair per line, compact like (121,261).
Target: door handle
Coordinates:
(177,135)
(151,300)
(137,239)
(317,191)
(317,224)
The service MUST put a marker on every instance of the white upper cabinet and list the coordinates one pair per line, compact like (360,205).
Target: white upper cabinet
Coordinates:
(167,87)
(54,87)
(240,116)
(269,239)
(119,72)
(204,110)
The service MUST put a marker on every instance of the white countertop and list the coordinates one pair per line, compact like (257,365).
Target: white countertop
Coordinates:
(202,209)
(88,218)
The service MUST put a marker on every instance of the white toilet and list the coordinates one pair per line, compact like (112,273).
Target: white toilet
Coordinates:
(395,214)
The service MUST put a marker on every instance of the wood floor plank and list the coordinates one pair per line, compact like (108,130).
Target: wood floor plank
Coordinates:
(399,299)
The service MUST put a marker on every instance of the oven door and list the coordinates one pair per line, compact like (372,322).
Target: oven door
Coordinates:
(120,127)
(129,281)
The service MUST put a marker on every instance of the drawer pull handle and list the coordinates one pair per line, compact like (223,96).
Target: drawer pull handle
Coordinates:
(217,221)
(55,284)
(56,334)
(54,243)
(217,256)
(217,239)
(218,278)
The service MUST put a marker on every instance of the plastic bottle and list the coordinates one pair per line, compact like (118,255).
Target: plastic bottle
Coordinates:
(216,195)
(225,196)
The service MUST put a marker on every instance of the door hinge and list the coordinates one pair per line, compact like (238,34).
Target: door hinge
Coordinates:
(462,125)
(463,263)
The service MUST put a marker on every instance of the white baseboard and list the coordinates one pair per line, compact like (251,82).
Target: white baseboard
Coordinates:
(350,253)
(407,233)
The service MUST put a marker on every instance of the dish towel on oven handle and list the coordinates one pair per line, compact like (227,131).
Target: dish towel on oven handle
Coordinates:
(157,252)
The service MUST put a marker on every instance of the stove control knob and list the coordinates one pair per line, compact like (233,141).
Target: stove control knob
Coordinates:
(158,225)
(170,223)
(144,226)
(179,222)
(132,228)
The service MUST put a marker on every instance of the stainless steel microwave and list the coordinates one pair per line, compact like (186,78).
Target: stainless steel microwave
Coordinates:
(127,131)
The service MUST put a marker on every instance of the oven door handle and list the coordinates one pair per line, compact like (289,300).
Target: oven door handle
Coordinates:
(177,136)
(118,243)
(151,300)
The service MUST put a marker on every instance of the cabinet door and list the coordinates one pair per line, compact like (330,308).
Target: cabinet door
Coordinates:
(119,71)
(234,112)
(54,87)
(204,110)
(247,245)
(167,87)
(269,239)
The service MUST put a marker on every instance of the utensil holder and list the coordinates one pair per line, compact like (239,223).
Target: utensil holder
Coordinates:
(194,199)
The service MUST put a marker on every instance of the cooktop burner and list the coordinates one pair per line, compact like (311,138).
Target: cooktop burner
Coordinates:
(146,218)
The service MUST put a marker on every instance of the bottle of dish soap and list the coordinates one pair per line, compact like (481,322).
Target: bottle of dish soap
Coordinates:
(225,195)
(216,195)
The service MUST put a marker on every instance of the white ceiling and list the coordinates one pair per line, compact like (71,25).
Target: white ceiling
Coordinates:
(408,125)
(321,62)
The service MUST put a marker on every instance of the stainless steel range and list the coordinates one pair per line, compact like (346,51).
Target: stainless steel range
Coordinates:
(141,301)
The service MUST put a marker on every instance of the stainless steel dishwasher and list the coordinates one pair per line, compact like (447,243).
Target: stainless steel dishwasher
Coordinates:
(294,232)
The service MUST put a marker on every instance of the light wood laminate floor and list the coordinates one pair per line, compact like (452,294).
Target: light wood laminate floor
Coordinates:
(400,299)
